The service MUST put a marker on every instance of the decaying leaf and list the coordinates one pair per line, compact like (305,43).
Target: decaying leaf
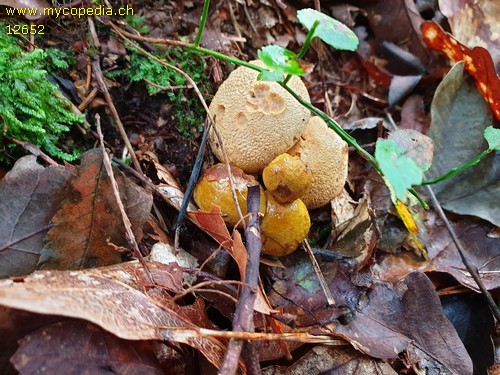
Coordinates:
(332,361)
(481,251)
(297,290)
(416,145)
(459,117)
(14,325)
(408,319)
(102,298)
(87,231)
(30,196)
(474,23)
(477,62)
(356,236)
(76,346)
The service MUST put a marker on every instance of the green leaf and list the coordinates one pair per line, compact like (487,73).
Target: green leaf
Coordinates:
(330,31)
(401,171)
(280,59)
(492,135)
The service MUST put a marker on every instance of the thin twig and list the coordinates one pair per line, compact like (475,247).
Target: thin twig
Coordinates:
(470,267)
(96,67)
(165,88)
(243,316)
(200,286)
(87,99)
(319,274)
(129,234)
(33,150)
(195,173)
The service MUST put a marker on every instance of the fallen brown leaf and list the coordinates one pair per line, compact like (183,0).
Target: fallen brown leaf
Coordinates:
(87,229)
(408,318)
(332,361)
(74,346)
(30,196)
(101,297)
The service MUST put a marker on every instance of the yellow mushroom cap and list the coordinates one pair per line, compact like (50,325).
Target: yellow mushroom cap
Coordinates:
(256,120)
(284,226)
(214,188)
(326,154)
(287,177)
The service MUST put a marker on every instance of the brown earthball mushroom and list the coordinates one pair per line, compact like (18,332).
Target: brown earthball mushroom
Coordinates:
(287,177)
(214,188)
(326,154)
(256,120)
(284,226)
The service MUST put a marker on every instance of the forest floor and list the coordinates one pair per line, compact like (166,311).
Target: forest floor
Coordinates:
(94,281)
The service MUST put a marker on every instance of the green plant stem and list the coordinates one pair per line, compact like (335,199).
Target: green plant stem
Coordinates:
(458,169)
(203,21)
(307,43)
(305,47)
(419,198)
(223,57)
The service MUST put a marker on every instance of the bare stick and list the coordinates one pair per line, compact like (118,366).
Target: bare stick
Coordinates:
(30,147)
(129,234)
(243,316)
(470,267)
(319,274)
(96,67)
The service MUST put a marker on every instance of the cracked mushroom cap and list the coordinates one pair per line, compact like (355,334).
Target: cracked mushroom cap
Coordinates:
(287,177)
(326,154)
(256,120)
(284,226)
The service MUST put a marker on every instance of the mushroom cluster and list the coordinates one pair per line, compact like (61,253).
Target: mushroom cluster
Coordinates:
(264,130)
(256,120)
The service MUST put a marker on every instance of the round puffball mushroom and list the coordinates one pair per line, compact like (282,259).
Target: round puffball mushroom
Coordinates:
(326,154)
(287,177)
(284,226)
(214,188)
(256,120)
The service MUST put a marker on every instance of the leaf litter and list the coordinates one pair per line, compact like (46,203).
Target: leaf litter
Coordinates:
(388,317)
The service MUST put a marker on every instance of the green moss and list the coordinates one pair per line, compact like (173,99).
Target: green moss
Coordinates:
(186,106)
(30,109)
